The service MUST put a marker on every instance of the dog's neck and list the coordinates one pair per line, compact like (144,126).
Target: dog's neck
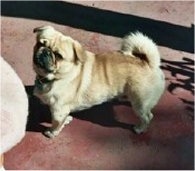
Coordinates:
(44,80)
(43,84)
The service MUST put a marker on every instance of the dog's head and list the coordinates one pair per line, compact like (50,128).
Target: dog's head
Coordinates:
(55,53)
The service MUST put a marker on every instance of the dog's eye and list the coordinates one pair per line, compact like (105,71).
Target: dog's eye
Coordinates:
(39,44)
(57,55)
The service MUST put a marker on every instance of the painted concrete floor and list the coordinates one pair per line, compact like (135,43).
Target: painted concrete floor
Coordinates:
(101,138)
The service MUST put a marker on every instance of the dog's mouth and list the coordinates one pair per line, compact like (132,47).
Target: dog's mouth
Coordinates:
(45,59)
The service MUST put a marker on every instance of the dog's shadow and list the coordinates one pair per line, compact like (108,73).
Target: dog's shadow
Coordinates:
(103,114)
(38,113)
(184,68)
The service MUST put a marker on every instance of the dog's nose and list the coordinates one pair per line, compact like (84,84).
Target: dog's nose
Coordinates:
(45,52)
(44,59)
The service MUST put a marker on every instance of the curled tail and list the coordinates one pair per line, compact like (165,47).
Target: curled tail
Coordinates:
(140,46)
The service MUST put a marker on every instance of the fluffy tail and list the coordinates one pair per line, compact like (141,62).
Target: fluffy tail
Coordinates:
(140,46)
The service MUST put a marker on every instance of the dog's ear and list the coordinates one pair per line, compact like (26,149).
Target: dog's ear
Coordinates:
(79,52)
(43,33)
(43,28)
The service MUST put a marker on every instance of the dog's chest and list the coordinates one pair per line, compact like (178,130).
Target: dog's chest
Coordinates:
(57,92)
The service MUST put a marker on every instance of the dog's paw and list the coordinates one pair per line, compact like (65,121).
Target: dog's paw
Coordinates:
(50,134)
(138,129)
(68,120)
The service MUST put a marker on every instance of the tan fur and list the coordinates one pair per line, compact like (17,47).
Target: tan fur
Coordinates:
(82,79)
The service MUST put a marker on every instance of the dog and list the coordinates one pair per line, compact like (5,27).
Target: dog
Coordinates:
(70,78)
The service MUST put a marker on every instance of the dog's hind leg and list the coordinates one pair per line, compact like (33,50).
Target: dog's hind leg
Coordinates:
(145,117)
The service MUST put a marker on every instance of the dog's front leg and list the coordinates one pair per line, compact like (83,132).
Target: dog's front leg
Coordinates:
(60,117)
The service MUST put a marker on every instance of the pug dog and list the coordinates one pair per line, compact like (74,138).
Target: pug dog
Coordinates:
(71,78)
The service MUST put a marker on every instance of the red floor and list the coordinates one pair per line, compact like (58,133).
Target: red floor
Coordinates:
(101,138)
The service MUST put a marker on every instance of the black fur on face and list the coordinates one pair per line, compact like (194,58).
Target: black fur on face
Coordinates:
(44,58)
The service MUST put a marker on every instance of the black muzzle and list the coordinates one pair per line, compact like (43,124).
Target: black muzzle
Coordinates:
(44,59)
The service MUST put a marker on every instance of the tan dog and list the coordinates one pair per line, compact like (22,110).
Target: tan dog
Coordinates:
(70,78)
